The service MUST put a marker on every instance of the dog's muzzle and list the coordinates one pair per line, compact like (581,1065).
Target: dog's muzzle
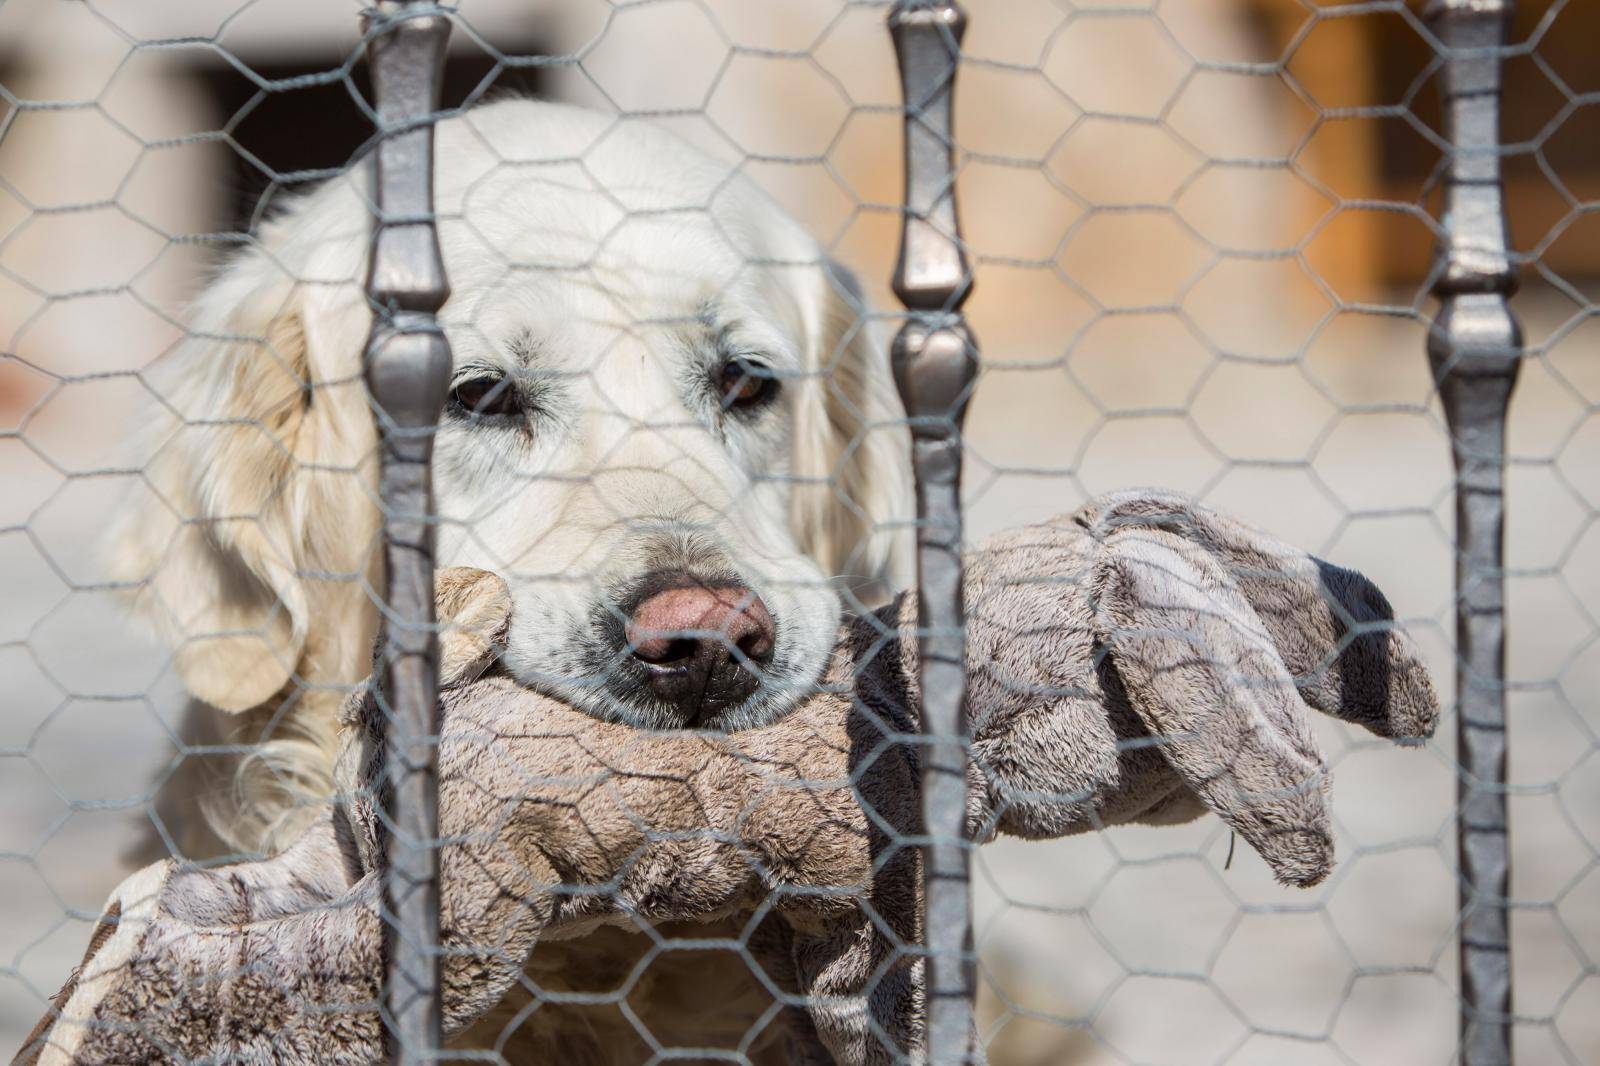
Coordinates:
(702,646)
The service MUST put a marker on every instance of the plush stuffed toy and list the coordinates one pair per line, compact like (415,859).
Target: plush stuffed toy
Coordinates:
(1142,660)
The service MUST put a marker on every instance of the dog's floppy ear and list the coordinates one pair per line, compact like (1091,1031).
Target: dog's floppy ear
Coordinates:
(251,517)
(852,498)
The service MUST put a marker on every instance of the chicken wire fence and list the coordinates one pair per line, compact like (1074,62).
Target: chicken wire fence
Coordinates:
(1251,250)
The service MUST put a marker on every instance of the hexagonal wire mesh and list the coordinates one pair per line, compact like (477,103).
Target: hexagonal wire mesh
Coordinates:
(1201,236)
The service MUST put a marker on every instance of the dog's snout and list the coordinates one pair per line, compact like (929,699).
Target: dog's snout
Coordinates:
(701,645)
(672,625)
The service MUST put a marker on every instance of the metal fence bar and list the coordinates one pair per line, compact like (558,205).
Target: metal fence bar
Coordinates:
(1475,348)
(935,366)
(407,370)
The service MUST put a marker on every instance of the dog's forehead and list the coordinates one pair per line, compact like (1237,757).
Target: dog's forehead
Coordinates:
(646,205)
(575,212)
(567,319)
(591,234)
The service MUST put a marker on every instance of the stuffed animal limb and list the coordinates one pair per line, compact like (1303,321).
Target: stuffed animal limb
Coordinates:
(1143,660)
(1176,649)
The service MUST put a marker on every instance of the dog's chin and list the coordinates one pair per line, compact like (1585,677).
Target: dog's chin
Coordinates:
(614,689)
(625,703)
(760,709)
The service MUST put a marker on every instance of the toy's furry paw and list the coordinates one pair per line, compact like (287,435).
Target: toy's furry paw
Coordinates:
(474,610)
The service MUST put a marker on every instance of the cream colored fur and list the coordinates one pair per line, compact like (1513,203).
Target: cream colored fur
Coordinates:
(249,545)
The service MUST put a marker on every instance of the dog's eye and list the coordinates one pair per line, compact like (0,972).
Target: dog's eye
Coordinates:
(746,384)
(486,396)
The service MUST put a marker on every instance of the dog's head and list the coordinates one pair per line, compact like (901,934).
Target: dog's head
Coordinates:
(669,428)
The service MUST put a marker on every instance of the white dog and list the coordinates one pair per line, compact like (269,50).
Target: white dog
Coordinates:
(669,426)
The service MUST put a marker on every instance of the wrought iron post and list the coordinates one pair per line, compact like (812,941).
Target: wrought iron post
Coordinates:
(1475,348)
(935,365)
(407,371)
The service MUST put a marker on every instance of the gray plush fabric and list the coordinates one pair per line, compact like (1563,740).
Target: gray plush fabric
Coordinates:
(1143,660)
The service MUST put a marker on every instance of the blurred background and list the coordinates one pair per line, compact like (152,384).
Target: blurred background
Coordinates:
(1201,231)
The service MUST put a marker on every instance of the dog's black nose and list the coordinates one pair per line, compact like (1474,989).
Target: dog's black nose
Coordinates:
(697,644)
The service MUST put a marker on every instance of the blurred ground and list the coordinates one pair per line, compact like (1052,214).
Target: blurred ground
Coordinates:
(1148,317)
